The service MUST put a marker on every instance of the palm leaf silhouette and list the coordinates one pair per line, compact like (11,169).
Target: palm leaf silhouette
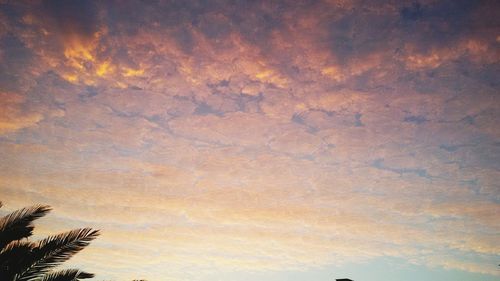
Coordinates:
(23,260)
(19,224)
(54,250)
(14,256)
(67,275)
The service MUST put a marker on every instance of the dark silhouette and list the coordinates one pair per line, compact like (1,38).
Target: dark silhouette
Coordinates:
(24,260)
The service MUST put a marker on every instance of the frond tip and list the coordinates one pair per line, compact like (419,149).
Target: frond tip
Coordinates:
(67,275)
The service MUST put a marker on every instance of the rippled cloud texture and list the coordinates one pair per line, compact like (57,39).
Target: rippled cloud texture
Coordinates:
(232,136)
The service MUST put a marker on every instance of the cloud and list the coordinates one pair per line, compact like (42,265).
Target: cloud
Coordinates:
(254,136)
(12,117)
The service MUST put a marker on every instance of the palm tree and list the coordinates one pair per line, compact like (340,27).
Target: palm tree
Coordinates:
(24,260)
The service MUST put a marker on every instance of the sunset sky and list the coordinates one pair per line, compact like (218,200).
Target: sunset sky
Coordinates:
(258,140)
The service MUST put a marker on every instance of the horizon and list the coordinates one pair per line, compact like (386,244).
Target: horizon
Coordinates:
(270,140)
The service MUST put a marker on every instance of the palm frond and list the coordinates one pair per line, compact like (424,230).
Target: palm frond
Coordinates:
(67,275)
(15,258)
(19,224)
(54,250)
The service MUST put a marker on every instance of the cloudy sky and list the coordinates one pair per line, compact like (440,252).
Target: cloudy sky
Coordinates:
(258,140)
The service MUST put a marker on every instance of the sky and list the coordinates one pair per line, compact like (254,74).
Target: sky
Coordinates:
(258,140)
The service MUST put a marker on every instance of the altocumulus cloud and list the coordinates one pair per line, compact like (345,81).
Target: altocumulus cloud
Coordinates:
(240,136)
